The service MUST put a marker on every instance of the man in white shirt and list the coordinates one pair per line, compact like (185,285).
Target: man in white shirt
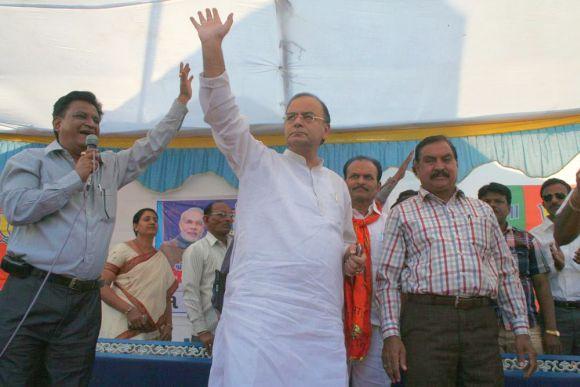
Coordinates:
(565,271)
(200,261)
(567,223)
(364,340)
(282,317)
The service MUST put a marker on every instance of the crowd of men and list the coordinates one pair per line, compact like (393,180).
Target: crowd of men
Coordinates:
(327,286)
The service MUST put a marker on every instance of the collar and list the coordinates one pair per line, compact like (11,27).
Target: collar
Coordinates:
(424,194)
(182,243)
(546,226)
(300,159)
(53,147)
(212,239)
(373,208)
(509,228)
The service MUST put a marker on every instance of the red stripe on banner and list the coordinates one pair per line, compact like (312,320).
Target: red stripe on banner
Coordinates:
(533,203)
(3,274)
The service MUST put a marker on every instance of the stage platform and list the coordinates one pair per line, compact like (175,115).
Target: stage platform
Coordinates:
(156,363)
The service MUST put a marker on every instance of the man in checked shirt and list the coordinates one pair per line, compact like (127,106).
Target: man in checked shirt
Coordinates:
(445,253)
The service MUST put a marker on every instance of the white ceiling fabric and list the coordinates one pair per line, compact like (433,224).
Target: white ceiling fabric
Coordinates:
(374,62)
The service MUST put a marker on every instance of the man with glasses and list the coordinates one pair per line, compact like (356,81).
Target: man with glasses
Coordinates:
(565,268)
(282,315)
(200,261)
(62,201)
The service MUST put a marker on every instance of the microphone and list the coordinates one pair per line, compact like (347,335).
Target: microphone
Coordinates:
(92,142)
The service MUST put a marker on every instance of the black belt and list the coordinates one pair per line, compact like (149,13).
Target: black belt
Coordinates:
(567,304)
(71,283)
(457,302)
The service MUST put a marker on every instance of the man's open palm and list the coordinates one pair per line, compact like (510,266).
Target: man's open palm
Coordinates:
(210,27)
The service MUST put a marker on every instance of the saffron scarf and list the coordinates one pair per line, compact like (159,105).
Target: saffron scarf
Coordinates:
(358,292)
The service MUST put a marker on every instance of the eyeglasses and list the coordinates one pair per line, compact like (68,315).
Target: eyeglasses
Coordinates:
(548,197)
(306,117)
(223,215)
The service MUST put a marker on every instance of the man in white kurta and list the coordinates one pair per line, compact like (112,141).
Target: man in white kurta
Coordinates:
(282,316)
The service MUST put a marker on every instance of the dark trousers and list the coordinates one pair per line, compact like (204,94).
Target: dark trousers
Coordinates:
(568,323)
(447,346)
(56,343)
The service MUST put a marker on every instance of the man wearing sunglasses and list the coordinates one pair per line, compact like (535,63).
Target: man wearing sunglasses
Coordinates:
(200,261)
(565,271)
(282,315)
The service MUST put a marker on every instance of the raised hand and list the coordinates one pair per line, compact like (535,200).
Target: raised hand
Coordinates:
(392,181)
(184,84)
(210,27)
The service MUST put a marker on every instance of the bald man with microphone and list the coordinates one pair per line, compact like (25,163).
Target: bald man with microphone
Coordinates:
(62,202)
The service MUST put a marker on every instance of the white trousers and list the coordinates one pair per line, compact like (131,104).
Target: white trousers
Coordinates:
(370,372)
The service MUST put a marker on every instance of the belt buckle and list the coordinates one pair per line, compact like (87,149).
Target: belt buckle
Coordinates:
(73,284)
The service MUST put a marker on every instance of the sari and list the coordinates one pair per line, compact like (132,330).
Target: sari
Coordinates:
(144,280)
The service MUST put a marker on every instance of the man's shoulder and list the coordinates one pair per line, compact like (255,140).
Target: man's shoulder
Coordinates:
(29,155)
(410,204)
(541,228)
(523,234)
(335,177)
(196,247)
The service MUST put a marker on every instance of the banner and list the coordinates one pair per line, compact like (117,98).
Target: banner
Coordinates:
(526,210)
(181,224)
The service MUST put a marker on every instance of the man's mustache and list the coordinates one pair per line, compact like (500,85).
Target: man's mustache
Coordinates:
(360,186)
(439,173)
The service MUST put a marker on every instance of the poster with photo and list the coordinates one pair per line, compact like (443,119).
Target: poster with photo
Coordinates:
(181,224)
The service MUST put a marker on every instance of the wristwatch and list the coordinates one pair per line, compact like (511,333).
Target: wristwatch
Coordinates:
(552,332)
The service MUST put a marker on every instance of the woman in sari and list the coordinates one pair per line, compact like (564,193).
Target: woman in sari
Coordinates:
(138,287)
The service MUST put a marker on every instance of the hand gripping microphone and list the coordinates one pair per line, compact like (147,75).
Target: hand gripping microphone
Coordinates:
(92,142)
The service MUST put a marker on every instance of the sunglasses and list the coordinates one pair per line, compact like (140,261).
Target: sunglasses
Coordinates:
(548,197)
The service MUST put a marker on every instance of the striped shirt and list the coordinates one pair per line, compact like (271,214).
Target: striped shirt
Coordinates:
(531,262)
(199,263)
(452,249)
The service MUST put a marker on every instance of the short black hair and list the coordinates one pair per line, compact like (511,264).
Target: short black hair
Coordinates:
(495,188)
(62,104)
(405,195)
(139,214)
(554,181)
(209,208)
(375,162)
(325,112)
(431,140)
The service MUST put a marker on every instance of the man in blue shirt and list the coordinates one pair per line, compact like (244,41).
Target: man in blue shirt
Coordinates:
(62,203)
